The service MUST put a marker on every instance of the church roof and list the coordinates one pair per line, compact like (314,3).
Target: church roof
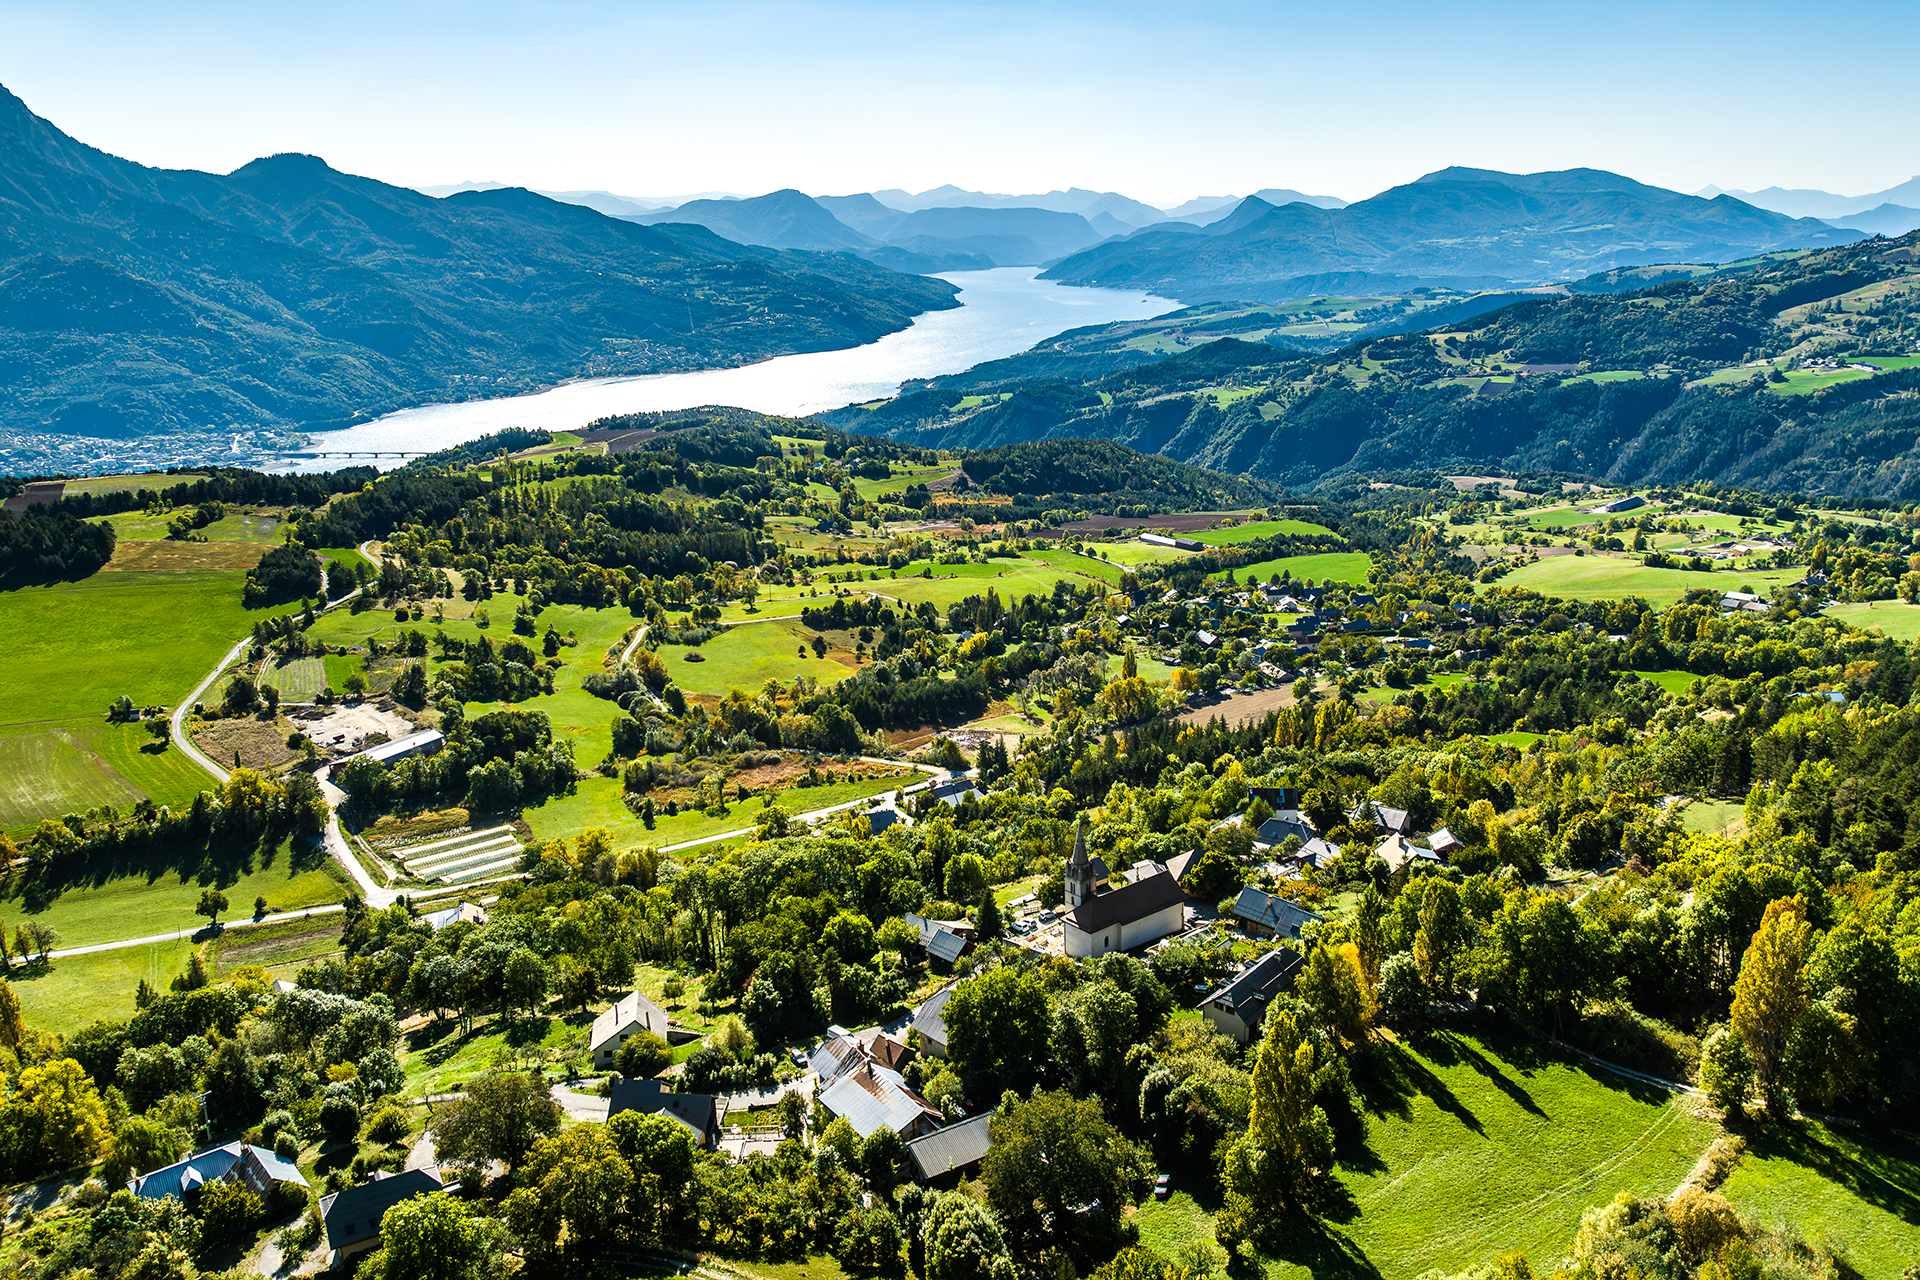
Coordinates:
(1128,903)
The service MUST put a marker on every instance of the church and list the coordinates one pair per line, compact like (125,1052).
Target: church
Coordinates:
(1100,919)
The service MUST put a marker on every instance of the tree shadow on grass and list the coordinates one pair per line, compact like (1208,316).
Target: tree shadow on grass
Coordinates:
(1882,1169)
(1390,1075)
(215,863)
(438,1042)
(1463,1051)
(1325,1253)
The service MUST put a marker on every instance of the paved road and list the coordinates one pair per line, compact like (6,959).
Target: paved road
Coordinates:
(179,721)
(277,917)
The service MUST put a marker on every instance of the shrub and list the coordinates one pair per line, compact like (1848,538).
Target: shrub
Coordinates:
(643,1056)
(389,1124)
(1726,1070)
(1618,1032)
(286,1145)
(339,1119)
(228,1212)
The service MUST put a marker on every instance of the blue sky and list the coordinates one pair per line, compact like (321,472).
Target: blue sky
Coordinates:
(1161,100)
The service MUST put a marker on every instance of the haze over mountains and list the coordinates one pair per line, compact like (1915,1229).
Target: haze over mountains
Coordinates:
(136,301)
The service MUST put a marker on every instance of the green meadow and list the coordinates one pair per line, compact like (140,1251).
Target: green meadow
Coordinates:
(1477,1141)
(1255,530)
(746,657)
(65,995)
(1890,618)
(1854,1187)
(1598,577)
(1350,567)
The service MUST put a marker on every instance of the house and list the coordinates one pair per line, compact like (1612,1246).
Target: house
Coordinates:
(943,940)
(951,1150)
(1444,843)
(466,912)
(887,1051)
(352,1217)
(835,1057)
(880,819)
(1288,822)
(1237,1008)
(1120,919)
(872,1097)
(1206,638)
(1397,851)
(630,1013)
(1319,853)
(1277,798)
(700,1112)
(255,1168)
(954,790)
(1266,916)
(1384,817)
(930,1020)
(425,743)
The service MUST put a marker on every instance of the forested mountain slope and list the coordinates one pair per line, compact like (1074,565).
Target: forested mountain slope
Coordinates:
(1795,372)
(1460,227)
(137,300)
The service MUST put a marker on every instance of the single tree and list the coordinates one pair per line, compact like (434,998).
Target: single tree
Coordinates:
(499,1117)
(986,921)
(435,1238)
(1288,1135)
(1770,996)
(212,903)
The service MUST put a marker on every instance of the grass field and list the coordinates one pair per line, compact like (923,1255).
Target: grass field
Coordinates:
(1892,619)
(74,647)
(1711,816)
(1519,738)
(597,802)
(105,901)
(1256,529)
(1853,1187)
(438,1057)
(66,995)
(1130,553)
(1033,574)
(1477,1142)
(1674,682)
(746,657)
(1350,567)
(1595,577)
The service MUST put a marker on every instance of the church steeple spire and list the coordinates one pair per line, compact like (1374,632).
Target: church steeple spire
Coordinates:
(1078,876)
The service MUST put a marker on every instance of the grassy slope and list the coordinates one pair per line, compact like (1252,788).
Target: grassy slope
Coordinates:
(119,901)
(1889,617)
(1595,577)
(73,647)
(1257,529)
(746,657)
(69,994)
(1351,567)
(1477,1143)
(1851,1187)
(596,802)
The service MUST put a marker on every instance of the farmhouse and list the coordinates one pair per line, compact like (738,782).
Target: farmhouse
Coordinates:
(949,1151)
(630,1013)
(871,1097)
(930,1021)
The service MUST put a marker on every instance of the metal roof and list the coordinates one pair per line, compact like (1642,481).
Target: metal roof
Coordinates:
(353,1215)
(1274,913)
(205,1166)
(954,1147)
(875,1097)
(1248,994)
(1129,902)
(930,1019)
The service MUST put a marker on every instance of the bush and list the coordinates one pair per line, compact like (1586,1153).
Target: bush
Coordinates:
(339,1119)
(228,1213)
(287,1198)
(643,1056)
(1618,1032)
(1726,1070)
(286,1145)
(389,1124)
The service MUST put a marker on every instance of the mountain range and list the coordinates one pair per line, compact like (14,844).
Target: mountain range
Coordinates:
(1471,228)
(286,294)
(1784,373)
(1892,212)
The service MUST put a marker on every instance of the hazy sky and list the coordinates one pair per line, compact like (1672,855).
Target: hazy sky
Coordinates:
(1162,100)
